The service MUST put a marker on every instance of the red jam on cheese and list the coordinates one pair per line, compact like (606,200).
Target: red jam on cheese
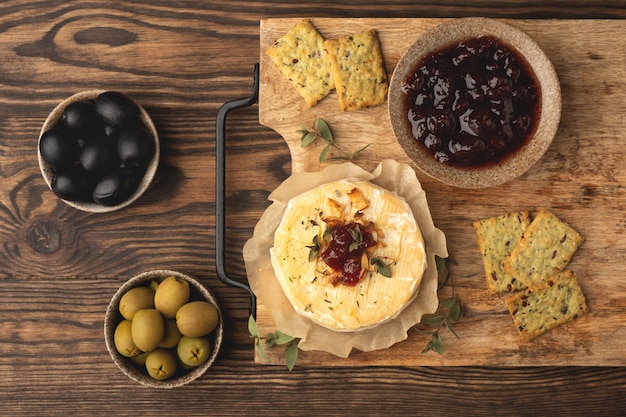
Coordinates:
(345,251)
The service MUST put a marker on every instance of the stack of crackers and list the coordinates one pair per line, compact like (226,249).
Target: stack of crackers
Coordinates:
(352,65)
(527,259)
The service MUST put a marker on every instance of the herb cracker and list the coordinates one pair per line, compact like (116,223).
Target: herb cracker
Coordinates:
(301,57)
(547,305)
(545,249)
(358,70)
(497,236)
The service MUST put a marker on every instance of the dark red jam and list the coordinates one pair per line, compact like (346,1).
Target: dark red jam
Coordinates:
(473,103)
(345,251)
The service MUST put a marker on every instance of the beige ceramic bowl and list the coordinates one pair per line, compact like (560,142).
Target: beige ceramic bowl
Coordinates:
(48,174)
(454,31)
(138,373)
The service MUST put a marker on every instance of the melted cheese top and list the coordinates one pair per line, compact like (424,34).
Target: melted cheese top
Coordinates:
(376,298)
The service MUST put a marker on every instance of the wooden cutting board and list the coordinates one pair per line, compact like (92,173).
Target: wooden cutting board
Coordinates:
(581,179)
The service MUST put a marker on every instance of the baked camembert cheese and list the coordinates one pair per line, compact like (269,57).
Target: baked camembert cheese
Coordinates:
(349,255)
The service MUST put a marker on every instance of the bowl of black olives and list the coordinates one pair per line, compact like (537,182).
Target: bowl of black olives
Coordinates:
(98,150)
(163,328)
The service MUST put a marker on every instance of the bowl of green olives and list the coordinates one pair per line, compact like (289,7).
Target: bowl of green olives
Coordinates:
(98,150)
(163,329)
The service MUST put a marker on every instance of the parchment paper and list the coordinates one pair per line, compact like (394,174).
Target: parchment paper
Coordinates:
(399,178)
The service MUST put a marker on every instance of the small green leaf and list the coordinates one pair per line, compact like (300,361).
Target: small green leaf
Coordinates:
(307,139)
(358,151)
(252,328)
(291,355)
(323,130)
(381,267)
(270,339)
(282,338)
(449,326)
(449,302)
(435,344)
(324,152)
(455,311)
(314,248)
(433,321)
(259,348)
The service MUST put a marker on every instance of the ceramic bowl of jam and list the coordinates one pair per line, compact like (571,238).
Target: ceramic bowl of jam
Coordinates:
(474,102)
(98,150)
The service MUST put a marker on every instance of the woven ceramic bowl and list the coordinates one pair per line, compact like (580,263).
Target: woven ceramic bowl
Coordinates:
(137,372)
(452,32)
(48,173)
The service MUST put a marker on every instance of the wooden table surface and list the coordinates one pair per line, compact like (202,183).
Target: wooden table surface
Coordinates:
(59,267)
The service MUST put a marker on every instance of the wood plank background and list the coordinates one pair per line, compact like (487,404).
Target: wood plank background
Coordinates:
(182,60)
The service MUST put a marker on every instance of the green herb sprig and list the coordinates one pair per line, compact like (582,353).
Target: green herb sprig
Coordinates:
(449,312)
(322,130)
(381,267)
(261,343)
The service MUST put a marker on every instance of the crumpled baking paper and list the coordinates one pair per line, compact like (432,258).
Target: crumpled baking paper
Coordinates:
(389,174)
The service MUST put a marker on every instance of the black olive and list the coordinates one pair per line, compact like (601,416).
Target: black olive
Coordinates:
(98,155)
(114,188)
(72,186)
(81,116)
(116,109)
(58,148)
(135,147)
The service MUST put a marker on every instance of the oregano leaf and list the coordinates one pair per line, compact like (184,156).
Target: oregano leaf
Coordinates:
(307,139)
(291,355)
(270,339)
(324,152)
(433,321)
(381,267)
(436,343)
(259,348)
(323,130)
(455,311)
(358,151)
(282,338)
(449,326)
(253,328)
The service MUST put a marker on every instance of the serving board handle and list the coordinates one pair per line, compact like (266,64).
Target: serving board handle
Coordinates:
(220,187)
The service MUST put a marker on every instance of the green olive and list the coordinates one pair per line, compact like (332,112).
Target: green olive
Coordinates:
(136,299)
(140,359)
(196,319)
(161,364)
(193,351)
(123,340)
(148,329)
(170,295)
(172,335)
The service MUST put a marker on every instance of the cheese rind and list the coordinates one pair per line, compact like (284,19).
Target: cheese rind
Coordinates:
(375,299)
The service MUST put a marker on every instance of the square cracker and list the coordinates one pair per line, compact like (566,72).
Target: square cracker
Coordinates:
(497,236)
(301,57)
(545,249)
(547,305)
(358,70)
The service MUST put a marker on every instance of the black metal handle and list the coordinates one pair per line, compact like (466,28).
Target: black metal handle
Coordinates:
(220,187)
